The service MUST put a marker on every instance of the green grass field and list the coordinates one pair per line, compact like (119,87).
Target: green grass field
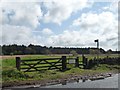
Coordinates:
(11,74)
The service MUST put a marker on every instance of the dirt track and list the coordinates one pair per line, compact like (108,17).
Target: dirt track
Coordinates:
(13,56)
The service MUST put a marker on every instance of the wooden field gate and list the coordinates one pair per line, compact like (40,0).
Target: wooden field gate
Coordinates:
(40,64)
(44,64)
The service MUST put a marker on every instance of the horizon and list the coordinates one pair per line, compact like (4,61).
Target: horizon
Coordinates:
(59,46)
(60,23)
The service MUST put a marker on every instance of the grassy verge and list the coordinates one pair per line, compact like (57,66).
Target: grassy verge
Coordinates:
(14,76)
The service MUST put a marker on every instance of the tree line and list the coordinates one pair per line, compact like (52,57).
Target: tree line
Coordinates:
(38,49)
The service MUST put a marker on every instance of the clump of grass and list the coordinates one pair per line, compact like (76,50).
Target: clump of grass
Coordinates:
(74,71)
(55,76)
(8,63)
(13,74)
(45,75)
(101,67)
(105,68)
(51,74)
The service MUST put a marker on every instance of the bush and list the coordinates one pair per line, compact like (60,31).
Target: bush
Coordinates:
(73,52)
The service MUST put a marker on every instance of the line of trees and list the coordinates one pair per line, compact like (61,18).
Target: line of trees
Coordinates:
(38,49)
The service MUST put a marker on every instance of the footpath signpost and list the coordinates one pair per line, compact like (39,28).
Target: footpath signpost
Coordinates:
(97,41)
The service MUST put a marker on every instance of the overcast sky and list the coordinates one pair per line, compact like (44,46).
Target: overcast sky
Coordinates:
(66,23)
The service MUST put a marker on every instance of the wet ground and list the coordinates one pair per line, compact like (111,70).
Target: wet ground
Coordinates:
(110,82)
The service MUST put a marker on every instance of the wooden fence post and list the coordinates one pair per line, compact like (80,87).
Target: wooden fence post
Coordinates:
(18,63)
(64,62)
(90,63)
(77,62)
(85,62)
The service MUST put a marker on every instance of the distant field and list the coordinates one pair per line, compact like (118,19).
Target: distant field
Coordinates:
(25,56)
(54,55)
